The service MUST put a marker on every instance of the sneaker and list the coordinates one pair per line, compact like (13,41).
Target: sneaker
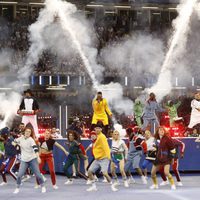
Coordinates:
(173,187)
(126,183)
(153,187)
(179,183)
(164,183)
(36,186)
(92,188)
(144,180)
(69,182)
(16,191)
(116,183)
(44,178)
(104,180)
(55,187)
(26,178)
(44,189)
(89,182)
(3,183)
(96,178)
(113,188)
(131,180)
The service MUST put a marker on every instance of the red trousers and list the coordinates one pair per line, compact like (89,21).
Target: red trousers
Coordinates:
(7,166)
(174,168)
(48,158)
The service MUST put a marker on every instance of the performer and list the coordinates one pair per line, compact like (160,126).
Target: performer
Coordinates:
(46,145)
(195,114)
(28,109)
(151,151)
(175,163)
(136,145)
(138,111)
(172,111)
(101,153)
(10,156)
(164,156)
(119,152)
(149,116)
(101,112)
(29,158)
(73,157)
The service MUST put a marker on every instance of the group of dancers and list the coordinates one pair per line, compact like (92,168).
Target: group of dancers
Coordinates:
(26,150)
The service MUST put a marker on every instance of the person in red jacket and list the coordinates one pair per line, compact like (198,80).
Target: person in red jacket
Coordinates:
(165,153)
(179,146)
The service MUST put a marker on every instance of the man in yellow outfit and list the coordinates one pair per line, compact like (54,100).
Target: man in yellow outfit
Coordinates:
(101,112)
(101,152)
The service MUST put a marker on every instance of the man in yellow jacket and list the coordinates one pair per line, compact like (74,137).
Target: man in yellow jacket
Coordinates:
(101,152)
(101,111)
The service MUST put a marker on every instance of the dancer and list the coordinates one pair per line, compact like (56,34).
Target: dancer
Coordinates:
(149,115)
(10,156)
(46,145)
(165,153)
(29,157)
(172,111)
(101,153)
(73,157)
(119,152)
(138,111)
(136,145)
(175,163)
(28,109)
(101,112)
(195,114)
(151,151)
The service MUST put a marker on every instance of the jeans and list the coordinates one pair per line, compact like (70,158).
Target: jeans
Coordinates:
(33,164)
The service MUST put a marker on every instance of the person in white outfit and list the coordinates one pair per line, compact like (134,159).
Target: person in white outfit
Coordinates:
(28,109)
(195,114)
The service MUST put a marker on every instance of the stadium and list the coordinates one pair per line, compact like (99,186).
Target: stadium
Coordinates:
(107,91)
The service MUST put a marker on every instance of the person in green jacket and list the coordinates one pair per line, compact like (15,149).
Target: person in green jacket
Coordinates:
(172,111)
(138,111)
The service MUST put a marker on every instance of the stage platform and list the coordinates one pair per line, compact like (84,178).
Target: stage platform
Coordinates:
(77,191)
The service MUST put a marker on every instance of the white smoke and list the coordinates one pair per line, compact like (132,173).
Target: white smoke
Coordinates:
(136,54)
(177,46)
(113,92)
(9,104)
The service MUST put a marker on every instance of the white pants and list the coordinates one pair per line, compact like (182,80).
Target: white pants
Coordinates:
(194,120)
(32,119)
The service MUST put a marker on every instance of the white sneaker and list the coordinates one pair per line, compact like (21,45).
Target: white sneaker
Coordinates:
(89,182)
(44,178)
(16,191)
(104,180)
(116,183)
(36,186)
(3,183)
(26,178)
(113,188)
(69,182)
(131,180)
(44,189)
(153,187)
(126,183)
(96,178)
(144,180)
(92,188)
(179,183)
(164,183)
(55,187)
(173,187)
(86,173)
